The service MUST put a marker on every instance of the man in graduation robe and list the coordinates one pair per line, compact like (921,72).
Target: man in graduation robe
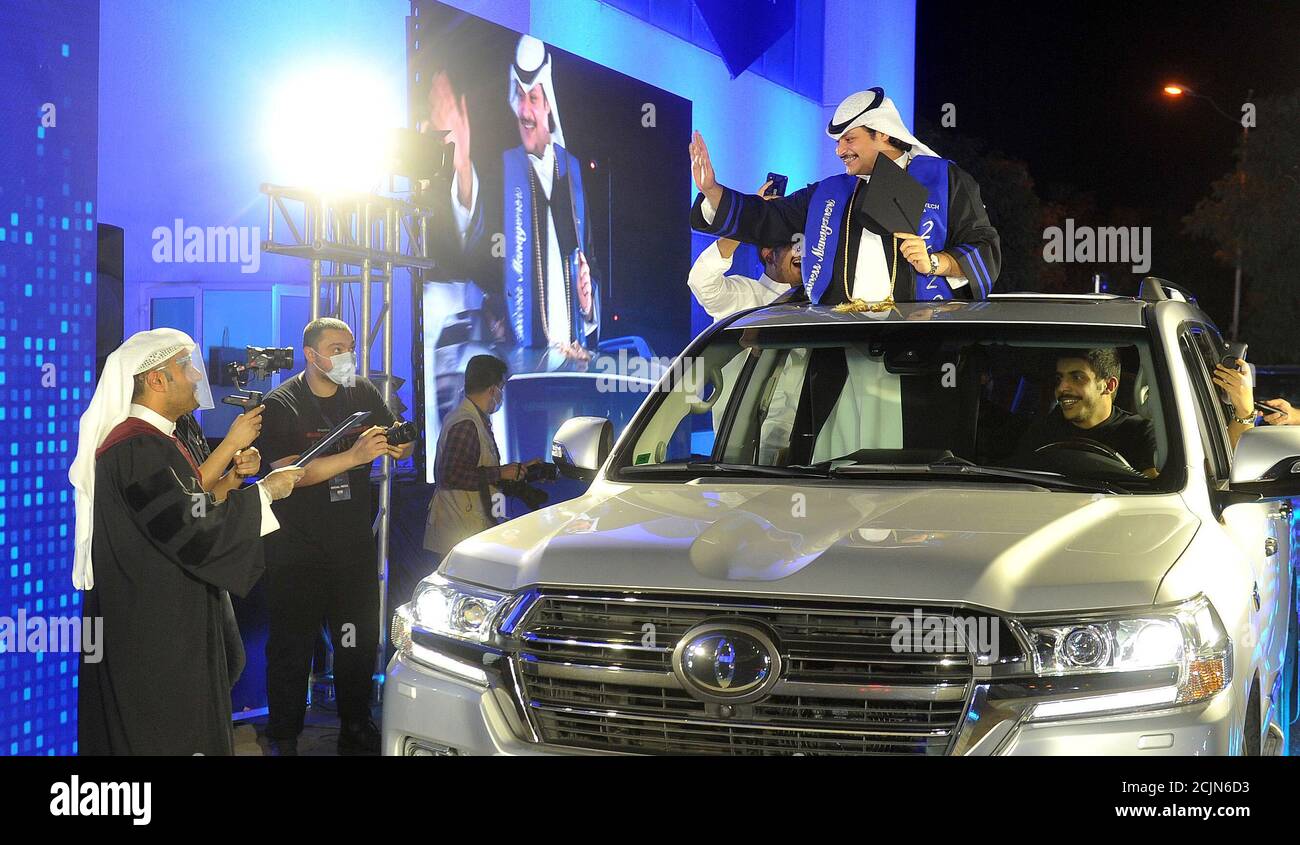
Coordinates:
(154,551)
(551,294)
(848,257)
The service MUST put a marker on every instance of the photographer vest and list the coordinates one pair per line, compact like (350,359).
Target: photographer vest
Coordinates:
(457,514)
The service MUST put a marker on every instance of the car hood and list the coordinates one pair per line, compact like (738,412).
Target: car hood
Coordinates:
(1012,549)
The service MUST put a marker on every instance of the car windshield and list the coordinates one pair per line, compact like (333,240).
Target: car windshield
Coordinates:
(987,403)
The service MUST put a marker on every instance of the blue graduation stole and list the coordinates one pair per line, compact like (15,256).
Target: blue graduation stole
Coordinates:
(830,203)
(520,261)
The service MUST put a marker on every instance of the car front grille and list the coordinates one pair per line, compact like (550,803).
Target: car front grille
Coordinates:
(595,672)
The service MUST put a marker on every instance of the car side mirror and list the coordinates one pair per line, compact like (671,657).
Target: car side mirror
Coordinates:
(1267,463)
(581,446)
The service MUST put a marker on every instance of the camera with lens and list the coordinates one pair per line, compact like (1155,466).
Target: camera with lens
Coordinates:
(542,472)
(399,434)
(260,362)
(269,359)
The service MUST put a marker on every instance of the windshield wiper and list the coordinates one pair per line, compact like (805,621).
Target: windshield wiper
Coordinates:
(960,468)
(701,468)
(947,467)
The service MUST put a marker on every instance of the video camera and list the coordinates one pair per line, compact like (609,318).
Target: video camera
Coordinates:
(261,361)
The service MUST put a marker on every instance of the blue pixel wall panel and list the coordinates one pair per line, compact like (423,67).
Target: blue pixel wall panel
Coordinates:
(49,79)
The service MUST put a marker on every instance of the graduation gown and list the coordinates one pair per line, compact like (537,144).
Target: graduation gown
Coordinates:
(523,201)
(163,551)
(969,236)
(189,431)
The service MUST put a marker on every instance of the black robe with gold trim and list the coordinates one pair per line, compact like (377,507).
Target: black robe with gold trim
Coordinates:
(162,552)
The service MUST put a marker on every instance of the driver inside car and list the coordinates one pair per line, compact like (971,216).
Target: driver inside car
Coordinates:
(1086,381)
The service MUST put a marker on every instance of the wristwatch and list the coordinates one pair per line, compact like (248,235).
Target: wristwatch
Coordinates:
(1249,420)
(934,264)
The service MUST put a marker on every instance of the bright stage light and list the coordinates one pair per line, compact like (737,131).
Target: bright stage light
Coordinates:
(329,127)
(1174,90)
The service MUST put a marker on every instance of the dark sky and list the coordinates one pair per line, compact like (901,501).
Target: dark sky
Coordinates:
(1074,89)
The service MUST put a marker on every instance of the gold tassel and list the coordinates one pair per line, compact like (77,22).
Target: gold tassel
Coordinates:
(859,305)
(855,306)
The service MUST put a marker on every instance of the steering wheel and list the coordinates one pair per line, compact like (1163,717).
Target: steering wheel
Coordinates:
(1084,444)
(1095,447)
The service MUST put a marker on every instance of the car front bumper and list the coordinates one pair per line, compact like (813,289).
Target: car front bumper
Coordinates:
(1203,729)
(431,713)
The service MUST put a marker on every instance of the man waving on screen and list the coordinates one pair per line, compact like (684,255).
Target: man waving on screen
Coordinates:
(551,293)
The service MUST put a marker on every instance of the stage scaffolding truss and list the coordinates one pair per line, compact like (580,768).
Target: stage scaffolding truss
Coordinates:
(351,238)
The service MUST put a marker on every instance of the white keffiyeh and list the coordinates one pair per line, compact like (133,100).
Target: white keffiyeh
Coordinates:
(873,110)
(110,405)
(532,67)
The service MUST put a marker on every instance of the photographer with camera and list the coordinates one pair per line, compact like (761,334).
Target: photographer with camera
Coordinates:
(320,565)
(469,476)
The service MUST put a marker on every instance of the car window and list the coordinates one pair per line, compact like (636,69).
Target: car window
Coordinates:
(908,394)
(694,405)
(1200,346)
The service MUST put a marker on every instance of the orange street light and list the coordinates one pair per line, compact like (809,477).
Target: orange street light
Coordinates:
(1176,90)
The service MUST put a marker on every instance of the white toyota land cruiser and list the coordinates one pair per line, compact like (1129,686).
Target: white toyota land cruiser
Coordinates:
(856,533)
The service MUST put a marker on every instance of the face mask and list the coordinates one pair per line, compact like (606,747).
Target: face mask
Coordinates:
(343,369)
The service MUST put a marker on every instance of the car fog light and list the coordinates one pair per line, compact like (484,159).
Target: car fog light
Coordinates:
(424,748)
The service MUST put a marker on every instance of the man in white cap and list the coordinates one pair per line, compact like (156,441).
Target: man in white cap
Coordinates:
(551,295)
(849,260)
(154,550)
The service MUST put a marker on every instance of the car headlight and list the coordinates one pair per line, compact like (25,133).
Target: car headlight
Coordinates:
(1188,637)
(455,610)
(451,609)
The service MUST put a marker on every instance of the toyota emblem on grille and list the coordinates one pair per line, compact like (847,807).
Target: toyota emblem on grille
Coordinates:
(726,662)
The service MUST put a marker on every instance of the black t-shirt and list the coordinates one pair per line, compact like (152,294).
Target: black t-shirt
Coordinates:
(296,419)
(1132,436)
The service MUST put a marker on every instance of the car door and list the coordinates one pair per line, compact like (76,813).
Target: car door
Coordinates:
(1261,531)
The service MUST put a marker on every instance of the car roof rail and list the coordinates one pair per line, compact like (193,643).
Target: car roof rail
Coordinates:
(1156,289)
